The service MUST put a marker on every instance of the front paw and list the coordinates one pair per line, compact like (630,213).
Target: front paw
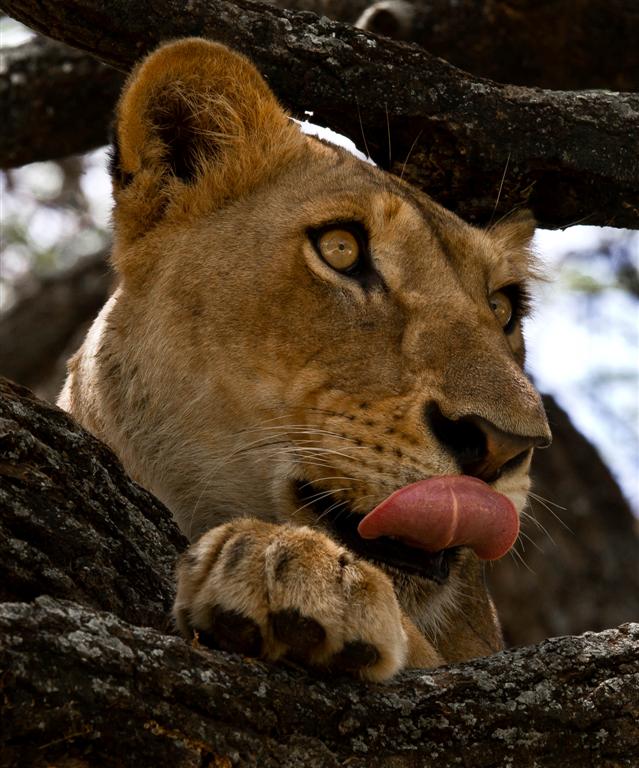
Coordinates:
(277,591)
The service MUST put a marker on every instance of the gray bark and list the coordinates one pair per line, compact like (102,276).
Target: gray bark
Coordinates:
(72,524)
(83,685)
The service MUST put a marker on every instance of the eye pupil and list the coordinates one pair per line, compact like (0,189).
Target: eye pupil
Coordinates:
(502,307)
(339,248)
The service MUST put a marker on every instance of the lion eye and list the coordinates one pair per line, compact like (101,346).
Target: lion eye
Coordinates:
(339,249)
(502,307)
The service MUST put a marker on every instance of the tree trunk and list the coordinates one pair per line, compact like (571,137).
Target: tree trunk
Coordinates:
(479,148)
(92,677)
(73,525)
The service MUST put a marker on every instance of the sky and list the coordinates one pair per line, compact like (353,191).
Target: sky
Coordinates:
(583,343)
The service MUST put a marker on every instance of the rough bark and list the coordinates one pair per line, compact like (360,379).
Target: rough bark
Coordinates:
(91,677)
(35,332)
(561,44)
(568,156)
(83,685)
(54,101)
(578,568)
(72,524)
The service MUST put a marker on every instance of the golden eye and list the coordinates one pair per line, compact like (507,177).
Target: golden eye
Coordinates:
(502,307)
(339,249)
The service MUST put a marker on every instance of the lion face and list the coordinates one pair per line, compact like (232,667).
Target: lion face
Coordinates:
(298,334)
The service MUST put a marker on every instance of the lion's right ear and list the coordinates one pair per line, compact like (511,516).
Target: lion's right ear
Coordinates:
(196,125)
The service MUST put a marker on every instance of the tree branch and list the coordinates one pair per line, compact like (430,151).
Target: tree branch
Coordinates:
(82,684)
(563,44)
(36,330)
(78,529)
(54,101)
(568,156)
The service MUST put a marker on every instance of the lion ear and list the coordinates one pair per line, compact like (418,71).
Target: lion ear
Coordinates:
(515,232)
(196,125)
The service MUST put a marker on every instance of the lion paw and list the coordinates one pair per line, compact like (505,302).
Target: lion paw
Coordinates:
(277,591)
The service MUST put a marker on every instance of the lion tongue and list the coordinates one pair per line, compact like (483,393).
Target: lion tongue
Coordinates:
(444,512)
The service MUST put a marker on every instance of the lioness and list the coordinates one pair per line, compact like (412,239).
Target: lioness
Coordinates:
(301,344)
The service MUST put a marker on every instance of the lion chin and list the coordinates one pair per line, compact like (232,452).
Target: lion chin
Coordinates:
(300,342)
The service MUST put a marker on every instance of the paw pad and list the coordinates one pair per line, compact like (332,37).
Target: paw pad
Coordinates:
(231,631)
(355,656)
(300,633)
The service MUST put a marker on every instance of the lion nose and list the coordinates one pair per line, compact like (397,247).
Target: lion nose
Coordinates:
(481,449)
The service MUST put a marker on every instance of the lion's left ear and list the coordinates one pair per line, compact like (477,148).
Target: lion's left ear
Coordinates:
(515,232)
(196,126)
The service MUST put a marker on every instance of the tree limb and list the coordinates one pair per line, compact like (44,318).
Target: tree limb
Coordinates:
(54,101)
(568,156)
(72,524)
(561,44)
(82,684)
(36,330)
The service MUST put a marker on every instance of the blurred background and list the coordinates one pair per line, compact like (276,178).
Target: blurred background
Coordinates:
(583,351)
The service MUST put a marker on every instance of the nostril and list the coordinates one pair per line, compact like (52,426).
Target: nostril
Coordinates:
(516,461)
(465,440)
(480,448)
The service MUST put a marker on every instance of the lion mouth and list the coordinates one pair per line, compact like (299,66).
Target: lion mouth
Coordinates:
(340,521)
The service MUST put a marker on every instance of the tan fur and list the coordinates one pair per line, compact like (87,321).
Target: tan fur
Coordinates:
(232,361)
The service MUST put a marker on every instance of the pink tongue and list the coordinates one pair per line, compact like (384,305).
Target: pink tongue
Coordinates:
(446,512)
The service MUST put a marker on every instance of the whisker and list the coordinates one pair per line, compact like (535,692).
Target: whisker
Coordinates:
(388,131)
(506,215)
(265,421)
(300,428)
(548,501)
(318,497)
(267,441)
(334,477)
(334,505)
(410,152)
(518,555)
(361,127)
(527,516)
(501,186)
(532,541)
(579,221)
(552,512)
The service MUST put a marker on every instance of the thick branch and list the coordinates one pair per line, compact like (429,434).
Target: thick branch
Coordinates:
(72,524)
(34,332)
(562,44)
(569,156)
(54,101)
(83,684)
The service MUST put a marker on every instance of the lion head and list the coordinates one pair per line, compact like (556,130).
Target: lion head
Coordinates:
(297,334)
